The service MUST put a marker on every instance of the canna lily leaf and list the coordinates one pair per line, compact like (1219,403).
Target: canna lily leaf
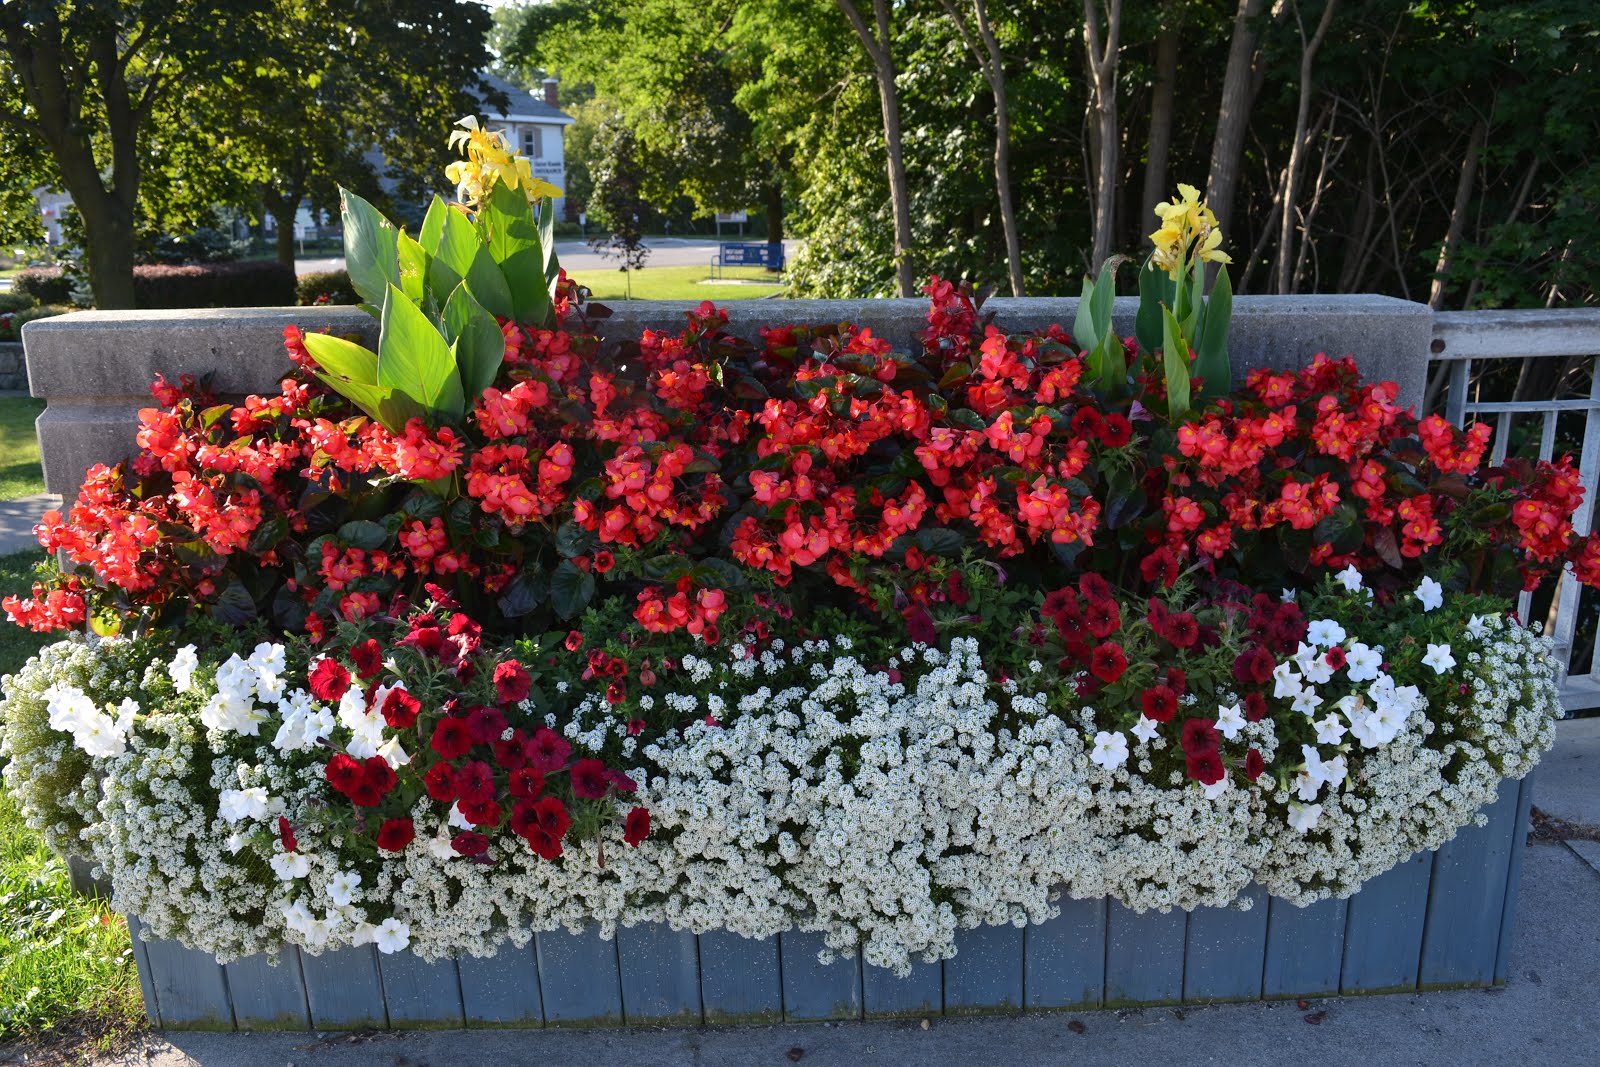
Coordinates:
(507,226)
(341,358)
(1212,353)
(415,360)
(371,248)
(480,346)
(1175,358)
(432,230)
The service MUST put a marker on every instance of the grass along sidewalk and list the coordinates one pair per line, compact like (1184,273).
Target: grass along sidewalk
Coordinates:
(682,283)
(20,473)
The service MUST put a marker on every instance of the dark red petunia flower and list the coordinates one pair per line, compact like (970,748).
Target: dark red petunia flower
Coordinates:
(329,680)
(473,782)
(368,657)
(286,835)
(440,782)
(1254,764)
(1159,703)
(574,640)
(589,779)
(1334,657)
(1255,706)
(1177,680)
(400,709)
(526,783)
(1200,736)
(343,773)
(637,827)
(1108,662)
(485,814)
(395,834)
(470,843)
(621,782)
(451,738)
(511,682)
(553,817)
(548,750)
(1206,768)
(511,753)
(1181,630)
(486,725)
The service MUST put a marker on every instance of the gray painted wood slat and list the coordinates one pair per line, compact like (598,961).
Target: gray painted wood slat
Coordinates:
(985,974)
(1519,847)
(344,989)
(1383,929)
(1064,960)
(420,994)
(141,963)
(269,996)
(578,979)
(1467,899)
(885,995)
(1225,951)
(812,990)
(740,980)
(660,975)
(1144,956)
(503,989)
(191,990)
(1305,948)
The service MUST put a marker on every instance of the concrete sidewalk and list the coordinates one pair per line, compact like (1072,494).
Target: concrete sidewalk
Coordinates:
(18,518)
(1546,1015)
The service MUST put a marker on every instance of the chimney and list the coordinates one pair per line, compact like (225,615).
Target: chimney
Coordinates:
(550,92)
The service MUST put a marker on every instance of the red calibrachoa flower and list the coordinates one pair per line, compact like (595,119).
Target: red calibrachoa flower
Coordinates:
(637,827)
(395,834)
(1108,662)
(511,682)
(329,680)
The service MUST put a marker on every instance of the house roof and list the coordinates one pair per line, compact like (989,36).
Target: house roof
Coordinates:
(524,106)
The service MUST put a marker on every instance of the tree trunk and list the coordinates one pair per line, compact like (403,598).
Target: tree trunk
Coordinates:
(774,224)
(992,64)
(1458,212)
(1297,149)
(283,208)
(1103,101)
(1155,171)
(108,249)
(1233,115)
(879,48)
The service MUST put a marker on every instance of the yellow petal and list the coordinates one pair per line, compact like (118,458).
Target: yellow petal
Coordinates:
(1190,193)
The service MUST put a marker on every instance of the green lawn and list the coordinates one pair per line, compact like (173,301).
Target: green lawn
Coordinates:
(20,473)
(682,283)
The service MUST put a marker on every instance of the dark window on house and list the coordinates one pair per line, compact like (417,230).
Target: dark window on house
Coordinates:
(533,143)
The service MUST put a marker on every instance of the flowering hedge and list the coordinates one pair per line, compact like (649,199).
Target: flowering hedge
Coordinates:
(498,629)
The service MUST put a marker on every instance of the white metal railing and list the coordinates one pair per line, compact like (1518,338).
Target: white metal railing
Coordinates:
(1467,338)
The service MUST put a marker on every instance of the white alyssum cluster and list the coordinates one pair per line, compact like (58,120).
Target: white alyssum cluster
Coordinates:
(811,792)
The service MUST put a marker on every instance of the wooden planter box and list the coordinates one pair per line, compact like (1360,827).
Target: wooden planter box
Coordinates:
(1438,920)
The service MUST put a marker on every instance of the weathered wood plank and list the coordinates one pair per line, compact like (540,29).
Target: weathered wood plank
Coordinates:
(740,980)
(812,990)
(1225,951)
(141,963)
(578,979)
(1383,929)
(503,989)
(419,994)
(1466,902)
(985,974)
(269,996)
(1144,956)
(660,975)
(1519,847)
(1305,948)
(344,989)
(1532,332)
(1064,960)
(190,987)
(885,995)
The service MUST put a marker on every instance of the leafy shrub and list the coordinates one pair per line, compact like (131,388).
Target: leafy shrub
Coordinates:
(326,287)
(205,245)
(46,285)
(15,301)
(260,283)
(11,322)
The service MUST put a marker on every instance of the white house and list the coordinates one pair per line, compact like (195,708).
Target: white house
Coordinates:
(536,127)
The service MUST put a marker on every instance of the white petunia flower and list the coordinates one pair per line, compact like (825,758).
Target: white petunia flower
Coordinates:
(1350,578)
(1145,728)
(1110,750)
(1362,662)
(1329,729)
(1430,593)
(1478,626)
(236,805)
(291,865)
(343,886)
(1439,658)
(1303,817)
(1286,681)
(1325,633)
(181,669)
(1230,720)
(392,936)
(1287,595)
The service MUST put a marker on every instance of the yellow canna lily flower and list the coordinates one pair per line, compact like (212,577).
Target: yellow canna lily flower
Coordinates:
(490,159)
(1186,222)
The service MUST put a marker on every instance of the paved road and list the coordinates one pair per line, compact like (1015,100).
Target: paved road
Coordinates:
(576,256)
(1545,1016)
